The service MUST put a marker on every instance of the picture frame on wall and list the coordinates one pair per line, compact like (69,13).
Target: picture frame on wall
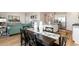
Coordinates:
(10,17)
(13,18)
(33,16)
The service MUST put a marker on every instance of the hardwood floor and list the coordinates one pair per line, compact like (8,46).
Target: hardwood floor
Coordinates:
(67,34)
(10,41)
(15,40)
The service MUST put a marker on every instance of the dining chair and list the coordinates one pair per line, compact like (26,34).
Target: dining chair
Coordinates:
(24,37)
(62,41)
(38,41)
(32,39)
(65,35)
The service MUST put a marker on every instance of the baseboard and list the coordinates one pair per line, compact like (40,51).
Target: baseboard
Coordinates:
(14,34)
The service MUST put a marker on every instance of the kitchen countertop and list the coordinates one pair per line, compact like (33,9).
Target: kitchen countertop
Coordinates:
(75,24)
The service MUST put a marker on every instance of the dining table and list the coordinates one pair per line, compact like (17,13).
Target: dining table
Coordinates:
(44,37)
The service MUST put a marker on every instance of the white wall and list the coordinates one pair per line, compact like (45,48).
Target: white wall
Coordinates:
(72,18)
(21,14)
(47,17)
(42,17)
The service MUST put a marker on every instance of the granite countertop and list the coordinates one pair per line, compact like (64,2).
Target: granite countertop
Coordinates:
(75,24)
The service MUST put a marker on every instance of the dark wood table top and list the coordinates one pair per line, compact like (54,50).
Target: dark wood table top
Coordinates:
(44,39)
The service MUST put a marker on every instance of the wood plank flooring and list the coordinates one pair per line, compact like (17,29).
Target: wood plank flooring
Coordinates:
(10,41)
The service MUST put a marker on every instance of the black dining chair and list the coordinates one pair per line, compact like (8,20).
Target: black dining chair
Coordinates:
(33,40)
(62,41)
(38,41)
(24,37)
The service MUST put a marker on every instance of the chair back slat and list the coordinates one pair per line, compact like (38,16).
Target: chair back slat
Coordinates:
(24,36)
